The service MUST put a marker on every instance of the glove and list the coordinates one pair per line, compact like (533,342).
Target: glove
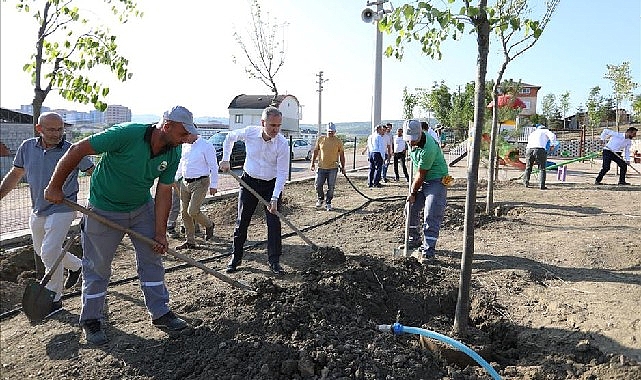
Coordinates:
(448,180)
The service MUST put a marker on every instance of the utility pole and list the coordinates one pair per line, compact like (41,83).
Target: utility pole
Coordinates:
(320,90)
(370,16)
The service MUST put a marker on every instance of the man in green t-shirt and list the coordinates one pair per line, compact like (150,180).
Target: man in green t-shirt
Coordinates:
(133,156)
(428,191)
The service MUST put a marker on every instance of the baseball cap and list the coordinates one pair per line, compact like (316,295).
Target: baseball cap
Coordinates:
(182,115)
(411,130)
(331,127)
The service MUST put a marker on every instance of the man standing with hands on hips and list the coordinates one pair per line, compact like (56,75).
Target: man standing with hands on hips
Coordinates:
(265,170)
(428,190)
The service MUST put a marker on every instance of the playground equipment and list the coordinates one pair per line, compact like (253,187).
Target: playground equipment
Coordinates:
(562,164)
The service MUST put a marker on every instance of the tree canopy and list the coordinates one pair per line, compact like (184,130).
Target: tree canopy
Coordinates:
(70,45)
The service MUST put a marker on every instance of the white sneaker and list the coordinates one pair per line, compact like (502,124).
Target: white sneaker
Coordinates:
(328,207)
(319,203)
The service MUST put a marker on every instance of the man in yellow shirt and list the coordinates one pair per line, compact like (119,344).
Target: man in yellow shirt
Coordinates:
(328,149)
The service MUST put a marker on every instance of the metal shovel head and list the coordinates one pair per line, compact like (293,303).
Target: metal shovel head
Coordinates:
(37,301)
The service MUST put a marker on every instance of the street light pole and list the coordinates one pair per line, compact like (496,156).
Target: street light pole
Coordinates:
(378,60)
(320,90)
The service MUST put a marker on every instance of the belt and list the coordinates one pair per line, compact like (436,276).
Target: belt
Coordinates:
(190,180)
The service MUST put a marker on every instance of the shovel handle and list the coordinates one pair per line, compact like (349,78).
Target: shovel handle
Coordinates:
(152,242)
(276,212)
(45,280)
(633,168)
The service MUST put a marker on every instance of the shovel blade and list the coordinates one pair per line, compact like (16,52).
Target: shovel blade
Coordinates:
(37,301)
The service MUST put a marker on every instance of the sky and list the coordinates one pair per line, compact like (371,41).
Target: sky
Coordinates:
(181,53)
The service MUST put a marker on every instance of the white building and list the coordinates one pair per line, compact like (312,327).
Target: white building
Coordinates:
(246,110)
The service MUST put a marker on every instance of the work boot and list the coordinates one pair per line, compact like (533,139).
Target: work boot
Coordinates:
(94,334)
(170,321)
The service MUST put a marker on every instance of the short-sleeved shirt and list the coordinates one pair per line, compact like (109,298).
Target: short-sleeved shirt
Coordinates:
(127,168)
(430,158)
(39,164)
(330,148)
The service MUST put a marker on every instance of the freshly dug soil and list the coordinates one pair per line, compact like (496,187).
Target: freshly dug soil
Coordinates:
(556,289)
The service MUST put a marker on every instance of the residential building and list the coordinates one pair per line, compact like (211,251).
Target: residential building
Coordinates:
(115,114)
(246,110)
(528,94)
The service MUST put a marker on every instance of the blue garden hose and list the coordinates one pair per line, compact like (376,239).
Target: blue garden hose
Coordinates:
(397,329)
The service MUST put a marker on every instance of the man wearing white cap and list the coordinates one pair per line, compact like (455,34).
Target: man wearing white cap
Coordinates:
(427,191)
(329,150)
(133,157)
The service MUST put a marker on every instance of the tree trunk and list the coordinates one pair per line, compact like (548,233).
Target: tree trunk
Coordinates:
(463,302)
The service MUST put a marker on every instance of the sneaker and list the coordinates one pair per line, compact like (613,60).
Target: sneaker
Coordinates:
(276,268)
(93,332)
(170,322)
(209,232)
(319,203)
(328,207)
(544,187)
(232,266)
(72,278)
(623,183)
(186,245)
(527,184)
(597,182)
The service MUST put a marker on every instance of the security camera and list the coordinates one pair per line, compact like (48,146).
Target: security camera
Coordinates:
(369,15)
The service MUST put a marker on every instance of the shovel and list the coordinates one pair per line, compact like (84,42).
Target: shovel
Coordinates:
(402,250)
(152,242)
(37,300)
(277,213)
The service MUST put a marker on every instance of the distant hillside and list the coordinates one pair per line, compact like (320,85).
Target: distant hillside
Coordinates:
(148,118)
(357,128)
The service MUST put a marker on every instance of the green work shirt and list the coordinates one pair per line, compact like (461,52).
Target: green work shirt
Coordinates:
(127,168)
(429,157)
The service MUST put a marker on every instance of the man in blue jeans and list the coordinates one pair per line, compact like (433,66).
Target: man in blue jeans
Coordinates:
(428,191)
(329,150)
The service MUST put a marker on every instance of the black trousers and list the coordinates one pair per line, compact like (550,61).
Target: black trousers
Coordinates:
(247,204)
(608,157)
(400,157)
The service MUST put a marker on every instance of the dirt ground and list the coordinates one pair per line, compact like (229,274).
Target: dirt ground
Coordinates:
(556,294)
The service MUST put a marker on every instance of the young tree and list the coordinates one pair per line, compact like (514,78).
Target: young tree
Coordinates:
(595,107)
(264,49)
(636,108)
(548,107)
(513,44)
(430,25)
(68,46)
(622,85)
(409,103)
(564,105)
(440,102)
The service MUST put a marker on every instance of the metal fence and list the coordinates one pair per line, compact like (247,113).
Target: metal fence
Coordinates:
(15,208)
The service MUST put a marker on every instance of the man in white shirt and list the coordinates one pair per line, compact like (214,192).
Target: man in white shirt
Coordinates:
(265,170)
(376,150)
(199,171)
(400,154)
(536,150)
(619,142)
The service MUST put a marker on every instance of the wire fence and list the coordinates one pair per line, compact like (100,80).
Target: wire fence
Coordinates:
(15,207)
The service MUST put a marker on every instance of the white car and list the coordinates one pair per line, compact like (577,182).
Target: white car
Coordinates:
(301,150)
